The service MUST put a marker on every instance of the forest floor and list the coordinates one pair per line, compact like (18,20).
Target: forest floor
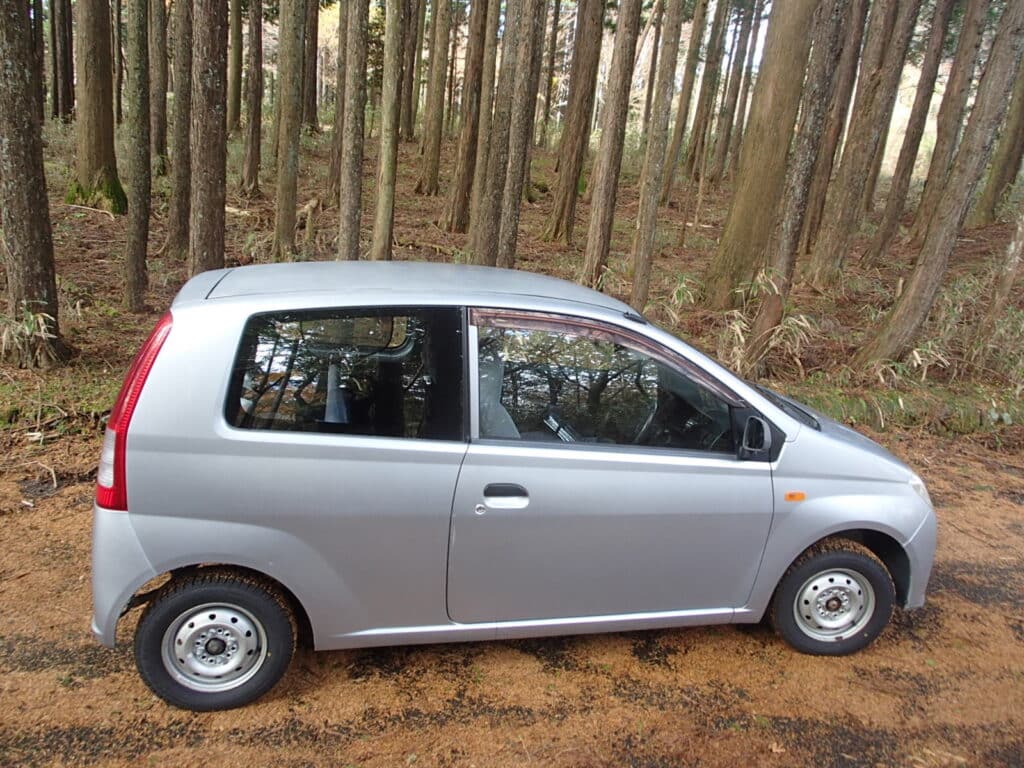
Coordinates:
(943,686)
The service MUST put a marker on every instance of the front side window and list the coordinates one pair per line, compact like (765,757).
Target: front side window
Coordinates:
(574,386)
(388,374)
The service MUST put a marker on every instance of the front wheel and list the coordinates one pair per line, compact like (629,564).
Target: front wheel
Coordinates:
(214,640)
(834,600)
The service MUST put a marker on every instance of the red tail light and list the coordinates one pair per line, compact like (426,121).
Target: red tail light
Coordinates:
(111,491)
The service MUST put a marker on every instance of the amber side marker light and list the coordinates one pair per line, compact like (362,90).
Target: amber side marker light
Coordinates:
(795,496)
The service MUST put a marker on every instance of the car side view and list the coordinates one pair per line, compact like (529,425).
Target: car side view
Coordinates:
(365,454)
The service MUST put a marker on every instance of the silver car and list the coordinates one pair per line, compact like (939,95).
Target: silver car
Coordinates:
(365,454)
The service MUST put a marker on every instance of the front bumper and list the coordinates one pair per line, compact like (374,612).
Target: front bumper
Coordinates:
(920,549)
(119,568)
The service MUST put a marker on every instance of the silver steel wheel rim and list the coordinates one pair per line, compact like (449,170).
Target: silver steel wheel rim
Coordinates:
(214,647)
(833,605)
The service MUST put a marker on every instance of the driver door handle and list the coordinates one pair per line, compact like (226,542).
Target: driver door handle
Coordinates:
(505,496)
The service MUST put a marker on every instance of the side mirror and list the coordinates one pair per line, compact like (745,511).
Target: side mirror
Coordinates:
(757,438)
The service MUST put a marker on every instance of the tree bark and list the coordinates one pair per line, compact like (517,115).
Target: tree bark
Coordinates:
(727,116)
(762,170)
(334,172)
(27,239)
(234,64)
(135,278)
(96,182)
(576,134)
(951,114)
(208,141)
(700,11)
(652,73)
(118,60)
(835,125)
(38,62)
(890,26)
(1006,160)
(408,121)
(915,130)
(351,188)
(417,80)
(708,90)
(63,95)
(549,81)
(740,118)
(290,69)
(903,325)
(450,108)
(178,211)
(309,106)
(253,101)
(387,161)
(642,251)
(456,215)
(605,177)
(432,124)
(158,84)
(483,134)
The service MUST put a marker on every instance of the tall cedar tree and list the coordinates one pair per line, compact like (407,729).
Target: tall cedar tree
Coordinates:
(387,160)
(652,73)
(408,114)
(835,124)
(334,171)
(309,59)
(900,183)
(483,136)
(96,181)
(351,184)
(209,134)
(903,325)
(62,60)
(700,11)
(417,79)
(434,108)
(890,26)
(158,84)
(703,117)
(117,20)
(605,178)
(289,103)
(576,131)
(253,101)
(38,61)
(234,64)
(727,116)
(456,213)
(456,23)
(762,170)
(138,168)
(27,247)
(1006,159)
(782,247)
(950,120)
(739,120)
(485,223)
(549,78)
(181,130)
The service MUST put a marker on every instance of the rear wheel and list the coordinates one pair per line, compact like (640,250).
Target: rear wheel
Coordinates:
(214,640)
(835,600)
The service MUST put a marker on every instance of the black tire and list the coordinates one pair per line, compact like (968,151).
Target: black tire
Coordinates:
(840,575)
(233,624)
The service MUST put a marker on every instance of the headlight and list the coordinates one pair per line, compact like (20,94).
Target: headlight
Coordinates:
(918,485)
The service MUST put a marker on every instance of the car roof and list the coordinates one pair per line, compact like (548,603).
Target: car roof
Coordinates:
(416,281)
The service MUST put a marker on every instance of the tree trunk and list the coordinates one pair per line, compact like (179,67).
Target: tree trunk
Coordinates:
(727,116)
(309,106)
(762,169)
(135,278)
(456,215)
(605,177)
(208,142)
(524,98)
(96,182)
(835,125)
(652,73)
(290,73)
(1005,276)
(915,130)
(951,114)
(890,26)
(253,101)
(483,134)
(38,62)
(234,64)
(387,161)
(549,81)
(576,134)
(700,11)
(781,252)
(708,90)
(434,116)
(903,325)
(178,211)
(408,111)
(417,80)
(334,172)
(158,84)
(1006,160)
(642,251)
(351,187)
(62,60)
(740,118)
(27,240)
(450,108)
(118,60)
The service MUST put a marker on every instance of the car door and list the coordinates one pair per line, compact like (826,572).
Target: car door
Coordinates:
(602,479)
